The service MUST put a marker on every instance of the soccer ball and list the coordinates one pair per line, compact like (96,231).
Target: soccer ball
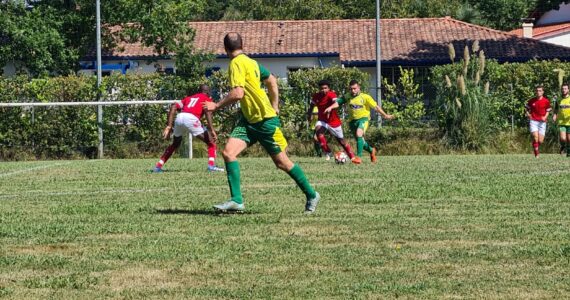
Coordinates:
(340,157)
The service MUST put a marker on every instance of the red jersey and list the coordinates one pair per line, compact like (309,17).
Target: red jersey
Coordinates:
(538,108)
(322,102)
(193,104)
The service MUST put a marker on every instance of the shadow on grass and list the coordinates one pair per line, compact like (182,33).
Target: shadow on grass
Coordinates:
(212,212)
(166,171)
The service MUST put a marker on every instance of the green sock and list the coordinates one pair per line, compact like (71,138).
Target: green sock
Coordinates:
(232,169)
(299,176)
(367,147)
(318,149)
(359,146)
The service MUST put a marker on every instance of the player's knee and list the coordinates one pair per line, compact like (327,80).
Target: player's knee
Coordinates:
(228,155)
(283,165)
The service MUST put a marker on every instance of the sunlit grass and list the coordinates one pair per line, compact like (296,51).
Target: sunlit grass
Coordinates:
(413,227)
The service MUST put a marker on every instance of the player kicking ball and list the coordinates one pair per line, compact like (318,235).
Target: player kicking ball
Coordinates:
(359,107)
(188,120)
(328,121)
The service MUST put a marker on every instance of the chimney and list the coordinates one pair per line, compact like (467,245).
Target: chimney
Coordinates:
(527,26)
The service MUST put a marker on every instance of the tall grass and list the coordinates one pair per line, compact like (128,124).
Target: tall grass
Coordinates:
(464,103)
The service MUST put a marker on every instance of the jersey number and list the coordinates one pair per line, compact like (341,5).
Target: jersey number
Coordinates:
(192,102)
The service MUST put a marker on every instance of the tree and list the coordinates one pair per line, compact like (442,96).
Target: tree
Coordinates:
(35,38)
(51,36)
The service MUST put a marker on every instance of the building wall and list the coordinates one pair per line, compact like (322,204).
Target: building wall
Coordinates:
(556,16)
(9,69)
(561,39)
(280,66)
(140,66)
(372,82)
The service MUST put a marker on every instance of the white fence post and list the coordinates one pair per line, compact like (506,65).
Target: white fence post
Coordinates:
(190,154)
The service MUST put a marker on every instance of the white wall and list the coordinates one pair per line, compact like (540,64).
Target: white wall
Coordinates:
(141,66)
(9,69)
(556,16)
(279,66)
(561,39)
(372,82)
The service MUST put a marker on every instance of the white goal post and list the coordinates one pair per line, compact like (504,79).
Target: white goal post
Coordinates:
(96,103)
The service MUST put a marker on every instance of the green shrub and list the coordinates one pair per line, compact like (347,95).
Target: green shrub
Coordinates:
(404,100)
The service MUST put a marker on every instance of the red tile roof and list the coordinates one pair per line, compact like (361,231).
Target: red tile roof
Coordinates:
(404,41)
(544,31)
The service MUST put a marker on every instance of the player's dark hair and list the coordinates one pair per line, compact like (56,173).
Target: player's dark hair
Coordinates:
(233,41)
(204,88)
(353,82)
(324,82)
(565,84)
(540,86)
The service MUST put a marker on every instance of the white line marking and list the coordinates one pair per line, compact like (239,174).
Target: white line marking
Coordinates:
(33,169)
(84,192)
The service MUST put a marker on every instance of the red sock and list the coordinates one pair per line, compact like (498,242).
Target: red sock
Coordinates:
(211,154)
(348,150)
(324,144)
(535,146)
(165,156)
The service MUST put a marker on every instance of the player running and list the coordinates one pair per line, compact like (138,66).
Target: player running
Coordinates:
(258,123)
(328,121)
(537,110)
(188,120)
(562,117)
(359,106)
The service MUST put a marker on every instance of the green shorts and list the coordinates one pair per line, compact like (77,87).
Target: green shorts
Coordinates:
(267,132)
(361,123)
(564,128)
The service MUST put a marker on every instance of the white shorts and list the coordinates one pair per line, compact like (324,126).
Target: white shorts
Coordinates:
(335,131)
(186,122)
(539,126)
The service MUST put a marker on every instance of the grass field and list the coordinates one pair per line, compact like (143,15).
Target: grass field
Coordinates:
(410,227)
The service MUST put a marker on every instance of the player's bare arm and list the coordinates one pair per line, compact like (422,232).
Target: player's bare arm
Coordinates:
(384,115)
(168,129)
(210,126)
(273,91)
(333,106)
(235,95)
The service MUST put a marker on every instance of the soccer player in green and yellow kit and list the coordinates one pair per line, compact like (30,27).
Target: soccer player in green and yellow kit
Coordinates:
(359,107)
(312,125)
(562,117)
(259,123)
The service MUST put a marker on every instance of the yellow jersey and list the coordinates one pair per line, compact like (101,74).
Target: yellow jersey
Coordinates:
(359,106)
(314,117)
(245,72)
(563,112)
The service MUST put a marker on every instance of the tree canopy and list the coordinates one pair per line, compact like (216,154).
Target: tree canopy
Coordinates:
(49,36)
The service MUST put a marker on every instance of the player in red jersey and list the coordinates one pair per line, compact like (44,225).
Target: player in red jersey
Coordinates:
(537,110)
(328,121)
(188,120)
